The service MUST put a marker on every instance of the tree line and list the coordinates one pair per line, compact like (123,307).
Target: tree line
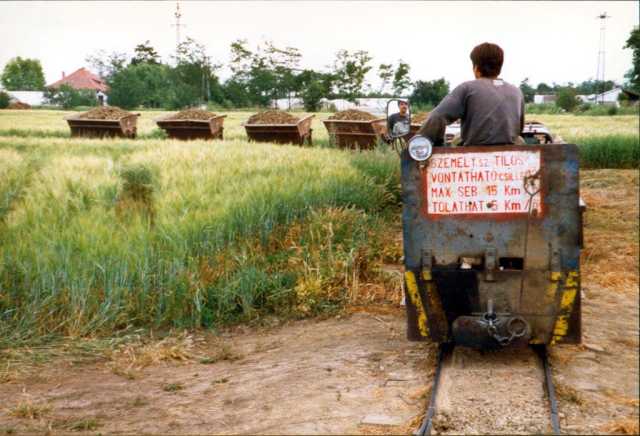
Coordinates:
(259,75)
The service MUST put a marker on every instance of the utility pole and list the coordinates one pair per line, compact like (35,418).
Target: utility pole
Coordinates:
(601,55)
(178,25)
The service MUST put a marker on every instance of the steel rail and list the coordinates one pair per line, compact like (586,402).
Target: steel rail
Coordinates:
(446,349)
(551,392)
(427,422)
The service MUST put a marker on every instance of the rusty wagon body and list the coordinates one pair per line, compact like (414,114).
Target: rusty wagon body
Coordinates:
(212,128)
(123,127)
(356,134)
(492,238)
(297,133)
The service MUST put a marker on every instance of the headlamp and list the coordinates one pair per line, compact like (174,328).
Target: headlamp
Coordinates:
(420,148)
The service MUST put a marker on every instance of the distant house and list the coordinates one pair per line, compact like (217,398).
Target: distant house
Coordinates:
(612,96)
(544,98)
(376,106)
(32,98)
(83,79)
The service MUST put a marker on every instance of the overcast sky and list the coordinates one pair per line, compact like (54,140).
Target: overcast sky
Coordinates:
(544,41)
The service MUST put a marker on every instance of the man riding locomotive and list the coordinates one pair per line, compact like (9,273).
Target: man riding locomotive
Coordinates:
(491,110)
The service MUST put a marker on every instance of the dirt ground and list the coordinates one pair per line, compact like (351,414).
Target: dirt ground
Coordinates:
(340,375)
(356,373)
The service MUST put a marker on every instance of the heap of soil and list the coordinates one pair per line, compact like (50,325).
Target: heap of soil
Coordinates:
(419,118)
(18,105)
(353,115)
(192,114)
(272,117)
(104,113)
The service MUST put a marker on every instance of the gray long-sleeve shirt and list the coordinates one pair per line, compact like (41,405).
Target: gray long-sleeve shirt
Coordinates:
(491,112)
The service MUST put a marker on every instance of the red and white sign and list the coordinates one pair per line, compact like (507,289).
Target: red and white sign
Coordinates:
(481,183)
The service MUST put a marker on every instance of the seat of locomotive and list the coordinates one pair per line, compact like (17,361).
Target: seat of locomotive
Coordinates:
(535,132)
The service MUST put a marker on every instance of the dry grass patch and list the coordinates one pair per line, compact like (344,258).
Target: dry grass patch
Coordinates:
(172,387)
(223,351)
(87,424)
(622,426)
(27,409)
(610,257)
(567,393)
(130,359)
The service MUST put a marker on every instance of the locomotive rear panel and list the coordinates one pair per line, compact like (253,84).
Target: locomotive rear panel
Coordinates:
(467,218)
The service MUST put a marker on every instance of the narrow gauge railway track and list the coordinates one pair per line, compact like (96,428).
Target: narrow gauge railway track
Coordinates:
(446,351)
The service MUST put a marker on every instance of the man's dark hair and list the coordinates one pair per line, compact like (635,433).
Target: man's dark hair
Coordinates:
(488,58)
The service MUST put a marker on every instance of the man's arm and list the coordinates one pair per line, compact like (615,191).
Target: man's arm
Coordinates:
(450,109)
(522,109)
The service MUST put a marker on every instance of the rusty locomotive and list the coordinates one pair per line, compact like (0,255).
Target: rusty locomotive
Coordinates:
(492,238)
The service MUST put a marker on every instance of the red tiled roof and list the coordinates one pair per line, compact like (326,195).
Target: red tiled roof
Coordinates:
(82,79)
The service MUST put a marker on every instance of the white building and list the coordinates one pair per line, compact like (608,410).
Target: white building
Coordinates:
(544,98)
(609,97)
(32,98)
(376,106)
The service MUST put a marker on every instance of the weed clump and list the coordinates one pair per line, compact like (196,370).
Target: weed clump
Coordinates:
(136,195)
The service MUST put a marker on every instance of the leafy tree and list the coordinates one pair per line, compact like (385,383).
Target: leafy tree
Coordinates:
(283,62)
(126,89)
(312,95)
(527,90)
(313,87)
(385,72)
(429,92)
(68,97)
(23,75)
(350,70)
(145,54)
(4,100)
(543,88)
(633,75)
(236,94)
(567,99)
(107,64)
(193,75)
(142,84)
(401,80)
(594,86)
(268,72)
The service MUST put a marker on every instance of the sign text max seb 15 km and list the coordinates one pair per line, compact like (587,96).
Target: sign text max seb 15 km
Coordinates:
(481,183)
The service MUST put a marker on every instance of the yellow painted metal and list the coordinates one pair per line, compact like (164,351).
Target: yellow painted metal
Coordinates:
(412,288)
(567,301)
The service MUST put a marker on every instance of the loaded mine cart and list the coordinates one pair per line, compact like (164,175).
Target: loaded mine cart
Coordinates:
(355,129)
(105,121)
(279,127)
(193,124)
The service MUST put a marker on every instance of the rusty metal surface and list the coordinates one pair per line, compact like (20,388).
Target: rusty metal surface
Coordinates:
(354,134)
(212,128)
(125,127)
(434,245)
(298,133)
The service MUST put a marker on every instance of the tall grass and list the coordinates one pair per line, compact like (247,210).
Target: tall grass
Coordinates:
(233,234)
(608,151)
